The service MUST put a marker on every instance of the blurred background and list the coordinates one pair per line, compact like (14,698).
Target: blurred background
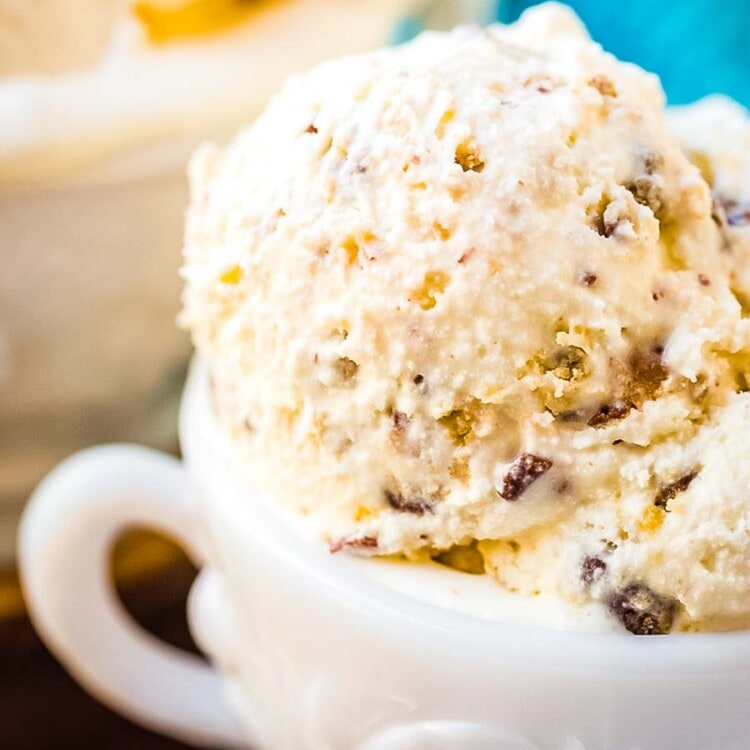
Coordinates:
(101,103)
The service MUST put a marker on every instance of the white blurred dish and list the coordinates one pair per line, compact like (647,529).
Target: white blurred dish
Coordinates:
(310,652)
(92,197)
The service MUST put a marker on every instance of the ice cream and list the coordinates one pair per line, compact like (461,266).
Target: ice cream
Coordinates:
(101,104)
(715,134)
(465,300)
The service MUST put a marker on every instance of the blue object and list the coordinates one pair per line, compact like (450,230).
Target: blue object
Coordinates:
(697,47)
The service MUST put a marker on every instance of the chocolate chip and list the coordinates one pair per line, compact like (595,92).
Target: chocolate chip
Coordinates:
(354,543)
(642,611)
(606,226)
(588,278)
(670,491)
(562,486)
(737,214)
(416,505)
(652,161)
(523,472)
(703,280)
(727,213)
(399,437)
(421,383)
(400,421)
(592,569)
(610,412)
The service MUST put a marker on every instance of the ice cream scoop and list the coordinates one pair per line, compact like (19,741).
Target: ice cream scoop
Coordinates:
(464,299)
(715,134)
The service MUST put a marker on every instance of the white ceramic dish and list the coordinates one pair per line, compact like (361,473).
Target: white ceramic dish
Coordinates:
(310,654)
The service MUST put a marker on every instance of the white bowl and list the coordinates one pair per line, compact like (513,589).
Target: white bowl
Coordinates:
(311,654)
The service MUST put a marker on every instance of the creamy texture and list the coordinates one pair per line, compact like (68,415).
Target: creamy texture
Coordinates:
(426,580)
(96,127)
(715,134)
(469,292)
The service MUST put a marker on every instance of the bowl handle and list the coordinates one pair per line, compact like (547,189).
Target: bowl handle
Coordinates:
(66,535)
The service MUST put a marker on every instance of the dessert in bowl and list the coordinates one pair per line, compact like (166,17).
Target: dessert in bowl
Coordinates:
(470,331)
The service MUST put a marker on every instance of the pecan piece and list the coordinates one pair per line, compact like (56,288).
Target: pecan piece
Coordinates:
(416,505)
(647,372)
(567,363)
(610,412)
(523,472)
(646,185)
(354,543)
(646,192)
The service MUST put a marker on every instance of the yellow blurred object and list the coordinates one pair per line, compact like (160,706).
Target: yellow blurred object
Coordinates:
(463,557)
(138,556)
(11,601)
(165,22)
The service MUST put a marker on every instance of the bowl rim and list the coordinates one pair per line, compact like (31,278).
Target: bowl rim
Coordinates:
(343,578)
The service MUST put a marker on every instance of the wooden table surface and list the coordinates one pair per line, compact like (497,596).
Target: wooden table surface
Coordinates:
(41,708)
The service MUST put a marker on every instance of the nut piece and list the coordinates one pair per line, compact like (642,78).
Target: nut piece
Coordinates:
(603,85)
(646,184)
(524,471)
(642,611)
(354,543)
(606,413)
(647,372)
(567,363)
(468,158)
(417,505)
